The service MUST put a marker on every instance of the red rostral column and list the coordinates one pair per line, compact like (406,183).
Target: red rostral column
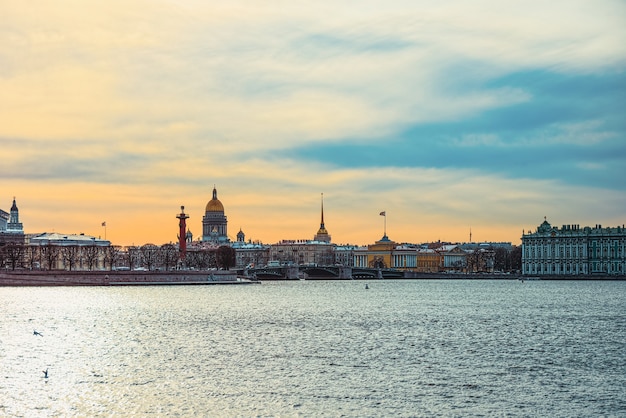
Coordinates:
(182,233)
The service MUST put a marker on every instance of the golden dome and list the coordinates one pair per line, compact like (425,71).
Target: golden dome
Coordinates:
(214,204)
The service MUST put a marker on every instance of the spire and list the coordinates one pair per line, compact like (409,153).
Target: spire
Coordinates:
(322,223)
(322,234)
(214,193)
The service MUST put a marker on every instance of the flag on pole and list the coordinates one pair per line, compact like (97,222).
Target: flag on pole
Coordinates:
(383,213)
(104,223)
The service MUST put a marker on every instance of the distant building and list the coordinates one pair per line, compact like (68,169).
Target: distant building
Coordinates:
(318,251)
(344,254)
(249,254)
(428,260)
(303,252)
(389,254)
(55,251)
(14,226)
(11,229)
(384,253)
(4,219)
(214,222)
(572,250)
(486,245)
(55,238)
(453,256)
(322,234)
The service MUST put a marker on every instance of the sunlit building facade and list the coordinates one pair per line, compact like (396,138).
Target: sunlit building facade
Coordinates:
(407,257)
(428,260)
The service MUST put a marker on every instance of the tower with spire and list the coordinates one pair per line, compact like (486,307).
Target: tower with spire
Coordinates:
(322,234)
(14,226)
(11,229)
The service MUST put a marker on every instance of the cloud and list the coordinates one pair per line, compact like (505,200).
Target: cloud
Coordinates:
(279,100)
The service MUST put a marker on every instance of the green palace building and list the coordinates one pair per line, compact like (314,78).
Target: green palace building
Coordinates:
(572,250)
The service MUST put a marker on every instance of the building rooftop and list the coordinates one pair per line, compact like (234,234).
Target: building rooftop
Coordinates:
(57,238)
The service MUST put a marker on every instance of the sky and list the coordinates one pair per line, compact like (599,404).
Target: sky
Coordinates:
(450,116)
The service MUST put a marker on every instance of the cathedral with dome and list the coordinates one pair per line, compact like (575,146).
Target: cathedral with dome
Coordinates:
(214,222)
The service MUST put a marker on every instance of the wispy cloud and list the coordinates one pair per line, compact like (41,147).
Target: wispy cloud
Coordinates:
(434,109)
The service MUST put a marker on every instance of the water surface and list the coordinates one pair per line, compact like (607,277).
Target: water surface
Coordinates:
(316,348)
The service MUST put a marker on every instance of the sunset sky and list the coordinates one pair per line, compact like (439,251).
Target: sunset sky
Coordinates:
(447,115)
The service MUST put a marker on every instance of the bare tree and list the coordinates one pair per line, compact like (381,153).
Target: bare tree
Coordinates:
(110,255)
(3,254)
(133,255)
(480,260)
(149,255)
(169,255)
(209,257)
(32,257)
(50,255)
(14,254)
(225,257)
(192,259)
(200,259)
(69,255)
(473,261)
(502,259)
(516,258)
(91,254)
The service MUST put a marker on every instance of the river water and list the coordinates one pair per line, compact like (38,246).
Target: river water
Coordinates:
(316,348)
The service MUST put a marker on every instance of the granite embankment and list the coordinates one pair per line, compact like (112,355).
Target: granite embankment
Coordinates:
(117,278)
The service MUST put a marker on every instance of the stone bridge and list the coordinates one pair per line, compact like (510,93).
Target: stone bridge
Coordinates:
(322,272)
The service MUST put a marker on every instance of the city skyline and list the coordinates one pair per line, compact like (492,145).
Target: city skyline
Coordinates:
(447,117)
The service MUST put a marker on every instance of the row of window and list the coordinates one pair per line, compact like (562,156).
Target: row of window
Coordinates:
(610,249)
(583,268)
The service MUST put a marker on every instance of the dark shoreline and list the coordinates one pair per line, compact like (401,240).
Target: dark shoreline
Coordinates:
(178,277)
(119,278)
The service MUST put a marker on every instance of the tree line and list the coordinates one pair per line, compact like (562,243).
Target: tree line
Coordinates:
(16,255)
(494,259)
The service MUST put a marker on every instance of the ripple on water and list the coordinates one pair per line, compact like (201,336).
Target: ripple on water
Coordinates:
(403,348)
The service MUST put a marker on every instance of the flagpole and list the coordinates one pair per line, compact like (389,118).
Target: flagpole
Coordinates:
(384,214)
(104,224)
